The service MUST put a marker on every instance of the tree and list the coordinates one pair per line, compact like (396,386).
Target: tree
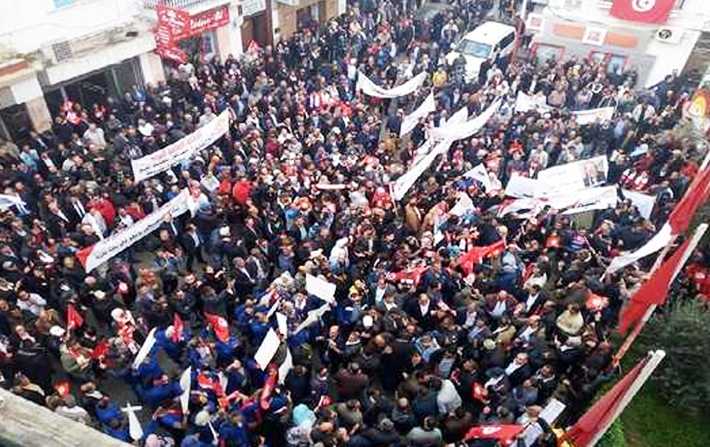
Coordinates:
(683,331)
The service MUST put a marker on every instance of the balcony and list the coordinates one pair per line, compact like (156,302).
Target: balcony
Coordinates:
(194,6)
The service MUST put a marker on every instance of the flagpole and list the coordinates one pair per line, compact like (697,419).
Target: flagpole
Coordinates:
(699,232)
(655,359)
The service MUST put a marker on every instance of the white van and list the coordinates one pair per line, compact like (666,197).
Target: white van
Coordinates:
(489,40)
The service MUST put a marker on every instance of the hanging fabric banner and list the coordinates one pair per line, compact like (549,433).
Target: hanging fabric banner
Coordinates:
(181,150)
(410,121)
(365,85)
(95,255)
(459,131)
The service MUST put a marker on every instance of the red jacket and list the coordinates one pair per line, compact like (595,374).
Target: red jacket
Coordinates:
(242,191)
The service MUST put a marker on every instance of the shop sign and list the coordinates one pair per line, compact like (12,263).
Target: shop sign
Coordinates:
(251,7)
(208,20)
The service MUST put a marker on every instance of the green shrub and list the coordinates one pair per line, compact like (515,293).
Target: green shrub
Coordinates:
(683,331)
(614,437)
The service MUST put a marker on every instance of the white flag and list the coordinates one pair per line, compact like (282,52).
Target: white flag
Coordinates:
(134,426)
(145,349)
(321,288)
(267,349)
(185,383)
(480,174)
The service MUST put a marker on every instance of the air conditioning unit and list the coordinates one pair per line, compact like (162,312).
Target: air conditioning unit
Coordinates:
(669,35)
(62,51)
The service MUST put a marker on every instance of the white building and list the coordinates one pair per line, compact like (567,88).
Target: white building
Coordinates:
(51,50)
(586,29)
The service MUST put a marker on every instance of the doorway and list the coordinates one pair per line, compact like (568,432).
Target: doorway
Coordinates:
(17,123)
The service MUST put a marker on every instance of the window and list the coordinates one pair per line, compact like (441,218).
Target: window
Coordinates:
(507,40)
(208,45)
(614,63)
(474,49)
(544,52)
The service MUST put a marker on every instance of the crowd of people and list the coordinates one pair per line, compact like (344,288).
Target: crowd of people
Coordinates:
(417,347)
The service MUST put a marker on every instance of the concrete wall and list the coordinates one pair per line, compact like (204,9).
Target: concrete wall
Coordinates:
(25,424)
(26,25)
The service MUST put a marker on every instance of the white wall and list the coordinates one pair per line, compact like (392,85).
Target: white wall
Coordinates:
(26,25)
(695,14)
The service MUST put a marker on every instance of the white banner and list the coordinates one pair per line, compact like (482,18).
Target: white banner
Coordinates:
(589,116)
(524,187)
(587,200)
(459,117)
(369,88)
(459,131)
(410,121)
(571,202)
(184,149)
(643,202)
(267,349)
(407,180)
(97,254)
(525,103)
(321,288)
(576,175)
(657,242)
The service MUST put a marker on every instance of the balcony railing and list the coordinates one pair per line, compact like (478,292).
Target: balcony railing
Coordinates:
(180,4)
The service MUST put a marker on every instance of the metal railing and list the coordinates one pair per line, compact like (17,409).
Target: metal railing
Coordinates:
(180,4)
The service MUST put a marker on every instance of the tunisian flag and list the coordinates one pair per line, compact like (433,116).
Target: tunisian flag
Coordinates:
(178,328)
(599,415)
(74,318)
(654,290)
(476,255)
(219,326)
(697,193)
(647,11)
(679,220)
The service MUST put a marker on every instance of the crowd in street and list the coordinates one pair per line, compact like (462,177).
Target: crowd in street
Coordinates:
(418,346)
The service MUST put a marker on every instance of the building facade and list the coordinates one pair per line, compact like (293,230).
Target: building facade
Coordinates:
(584,28)
(54,50)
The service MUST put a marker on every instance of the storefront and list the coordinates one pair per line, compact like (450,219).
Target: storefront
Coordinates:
(95,87)
(22,106)
(255,24)
(294,15)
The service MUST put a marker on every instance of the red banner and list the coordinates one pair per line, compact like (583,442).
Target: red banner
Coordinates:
(172,53)
(647,11)
(175,25)
(208,20)
(175,21)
